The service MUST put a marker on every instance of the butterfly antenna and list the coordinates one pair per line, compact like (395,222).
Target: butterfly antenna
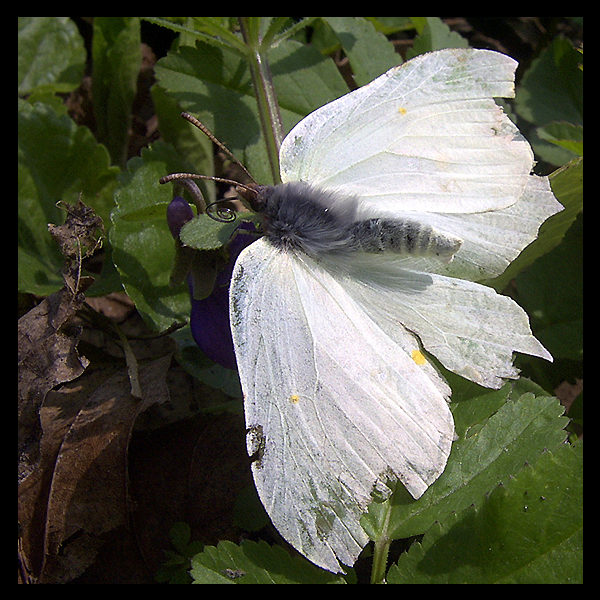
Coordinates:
(223,214)
(175,176)
(208,133)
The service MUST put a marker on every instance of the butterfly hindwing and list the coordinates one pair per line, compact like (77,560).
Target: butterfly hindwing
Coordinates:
(339,405)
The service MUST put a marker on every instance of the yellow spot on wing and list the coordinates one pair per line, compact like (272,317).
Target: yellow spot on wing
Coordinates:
(418,357)
(294,399)
(402,110)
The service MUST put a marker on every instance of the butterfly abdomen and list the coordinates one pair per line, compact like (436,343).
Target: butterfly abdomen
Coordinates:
(403,237)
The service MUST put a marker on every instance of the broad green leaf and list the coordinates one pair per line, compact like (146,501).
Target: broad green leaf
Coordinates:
(143,249)
(116,63)
(529,530)
(567,185)
(57,160)
(434,35)
(188,140)
(551,288)
(51,55)
(180,535)
(175,569)
(369,52)
(248,512)
(281,28)
(576,410)
(494,443)
(214,84)
(253,562)
(419,23)
(552,90)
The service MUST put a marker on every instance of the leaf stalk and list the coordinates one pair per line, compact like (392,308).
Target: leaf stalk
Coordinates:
(381,549)
(266,98)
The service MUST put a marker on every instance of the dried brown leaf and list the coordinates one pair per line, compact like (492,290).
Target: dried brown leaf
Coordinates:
(47,356)
(79,493)
(78,238)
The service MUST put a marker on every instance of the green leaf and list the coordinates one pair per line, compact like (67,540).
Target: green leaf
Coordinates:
(529,530)
(253,562)
(116,58)
(576,410)
(214,84)
(369,52)
(389,25)
(204,233)
(551,291)
(419,23)
(175,569)
(143,249)
(567,185)
(188,140)
(552,90)
(51,55)
(214,31)
(290,29)
(565,135)
(494,443)
(434,35)
(57,160)
(551,288)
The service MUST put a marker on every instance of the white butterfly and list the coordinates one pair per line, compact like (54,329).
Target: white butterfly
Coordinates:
(415,186)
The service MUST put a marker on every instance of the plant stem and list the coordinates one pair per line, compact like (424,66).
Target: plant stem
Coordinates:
(381,550)
(131,362)
(266,99)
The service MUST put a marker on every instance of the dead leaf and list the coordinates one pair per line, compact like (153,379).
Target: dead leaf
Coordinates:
(78,238)
(47,356)
(567,392)
(81,494)
(56,416)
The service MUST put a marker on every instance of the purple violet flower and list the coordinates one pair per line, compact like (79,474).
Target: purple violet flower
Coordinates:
(179,212)
(209,317)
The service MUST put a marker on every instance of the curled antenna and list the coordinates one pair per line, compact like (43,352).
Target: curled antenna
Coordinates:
(223,214)
(208,133)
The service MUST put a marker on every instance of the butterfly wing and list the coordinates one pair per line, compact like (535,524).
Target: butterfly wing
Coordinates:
(468,327)
(333,405)
(426,136)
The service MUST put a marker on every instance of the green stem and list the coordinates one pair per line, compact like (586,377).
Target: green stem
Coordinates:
(266,99)
(381,550)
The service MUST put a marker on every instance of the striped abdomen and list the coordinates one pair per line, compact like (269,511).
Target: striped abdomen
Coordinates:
(403,237)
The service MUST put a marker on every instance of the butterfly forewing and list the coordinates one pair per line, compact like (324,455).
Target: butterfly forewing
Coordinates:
(425,136)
